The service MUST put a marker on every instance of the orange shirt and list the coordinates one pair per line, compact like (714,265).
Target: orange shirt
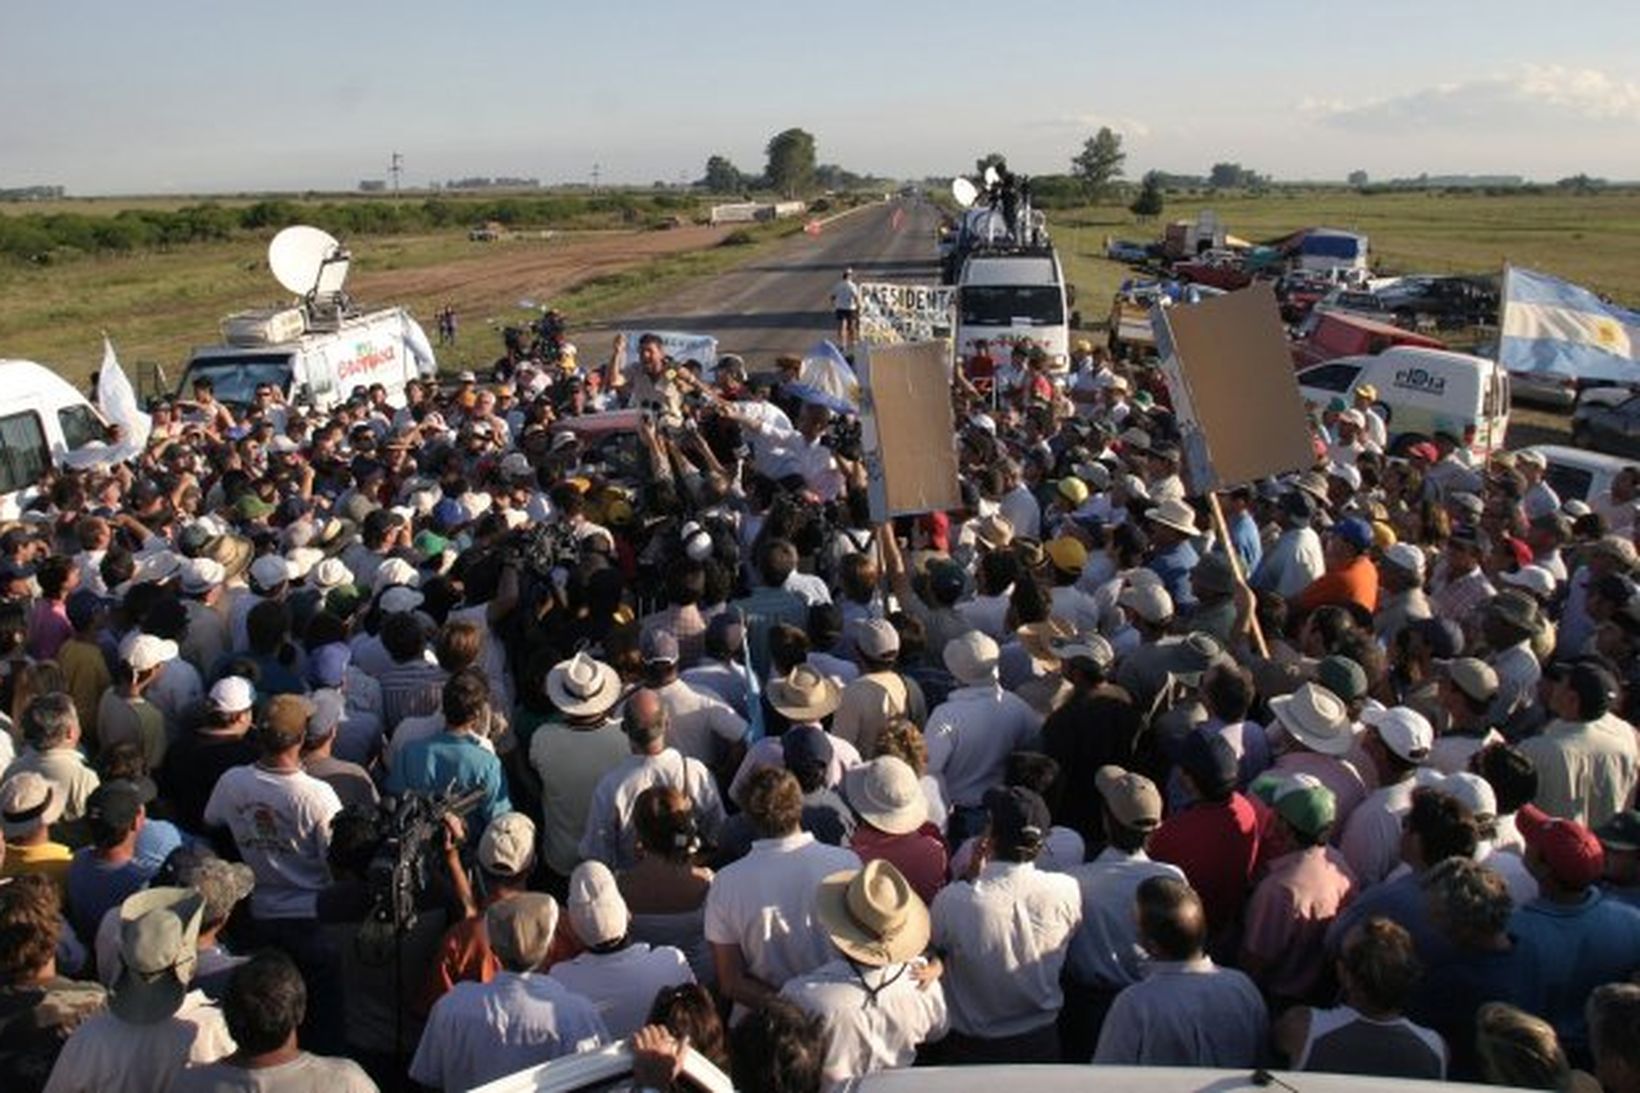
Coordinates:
(464,955)
(1356,582)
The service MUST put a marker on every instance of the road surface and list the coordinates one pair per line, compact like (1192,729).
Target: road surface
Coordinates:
(780,302)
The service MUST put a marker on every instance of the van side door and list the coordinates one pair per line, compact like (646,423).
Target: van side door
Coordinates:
(25,454)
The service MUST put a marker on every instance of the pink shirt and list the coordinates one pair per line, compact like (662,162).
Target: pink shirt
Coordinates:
(48,629)
(1335,772)
(919,854)
(1288,916)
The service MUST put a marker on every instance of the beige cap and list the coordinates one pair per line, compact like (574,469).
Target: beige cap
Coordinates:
(1132,798)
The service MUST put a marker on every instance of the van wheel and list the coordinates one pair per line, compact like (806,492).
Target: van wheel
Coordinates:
(1399,446)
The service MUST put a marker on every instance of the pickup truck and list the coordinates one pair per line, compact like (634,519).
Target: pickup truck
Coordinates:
(1446,301)
(1215,268)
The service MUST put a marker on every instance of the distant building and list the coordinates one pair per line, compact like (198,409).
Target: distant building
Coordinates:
(502,182)
(32,193)
(372,185)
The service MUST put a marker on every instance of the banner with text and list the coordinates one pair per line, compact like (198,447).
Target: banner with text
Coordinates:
(891,312)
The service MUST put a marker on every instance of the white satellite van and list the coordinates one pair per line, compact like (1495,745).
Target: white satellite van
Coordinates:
(44,420)
(1008,296)
(319,349)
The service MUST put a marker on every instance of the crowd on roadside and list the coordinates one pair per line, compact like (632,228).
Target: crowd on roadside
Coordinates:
(1343,781)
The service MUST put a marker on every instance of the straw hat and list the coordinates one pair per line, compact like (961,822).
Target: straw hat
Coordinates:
(232,552)
(805,695)
(582,686)
(1316,718)
(995,531)
(872,915)
(886,794)
(1039,639)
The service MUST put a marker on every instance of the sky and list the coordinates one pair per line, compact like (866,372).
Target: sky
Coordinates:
(167,96)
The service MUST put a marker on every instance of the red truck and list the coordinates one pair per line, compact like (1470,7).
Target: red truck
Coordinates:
(1220,269)
(1340,334)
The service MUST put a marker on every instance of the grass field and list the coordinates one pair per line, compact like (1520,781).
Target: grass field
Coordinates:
(1591,240)
(158,305)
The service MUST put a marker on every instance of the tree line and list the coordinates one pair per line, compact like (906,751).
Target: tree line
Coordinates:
(40,237)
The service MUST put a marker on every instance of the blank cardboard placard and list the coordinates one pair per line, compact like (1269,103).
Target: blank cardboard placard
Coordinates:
(908,433)
(1242,408)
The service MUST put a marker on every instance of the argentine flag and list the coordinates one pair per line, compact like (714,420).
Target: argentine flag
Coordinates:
(1555,327)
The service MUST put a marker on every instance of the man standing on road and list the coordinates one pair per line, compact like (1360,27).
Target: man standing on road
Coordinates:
(845,301)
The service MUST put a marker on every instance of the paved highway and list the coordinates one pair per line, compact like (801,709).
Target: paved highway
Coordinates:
(780,302)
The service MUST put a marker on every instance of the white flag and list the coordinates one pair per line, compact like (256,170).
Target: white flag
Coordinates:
(118,402)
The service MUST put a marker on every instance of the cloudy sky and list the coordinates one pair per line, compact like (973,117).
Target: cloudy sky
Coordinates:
(173,96)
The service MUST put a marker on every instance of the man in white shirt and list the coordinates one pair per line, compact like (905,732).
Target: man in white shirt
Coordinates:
(279,816)
(154,1026)
(1398,742)
(1540,498)
(620,977)
(1187,1011)
(875,999)
(1003,937)
(971,734)
(1105,952)
(610,836)
(845,303)
(479,1032)
(760,911)
(1296,559)
(698,724)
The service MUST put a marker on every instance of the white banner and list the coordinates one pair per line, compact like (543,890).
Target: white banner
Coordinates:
(679,345)
(118,402)
(891,312)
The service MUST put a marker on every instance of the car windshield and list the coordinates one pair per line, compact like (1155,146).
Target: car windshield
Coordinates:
(1013,305)
(237,378)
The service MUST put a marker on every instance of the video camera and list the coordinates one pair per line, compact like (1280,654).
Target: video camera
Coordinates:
(411,829)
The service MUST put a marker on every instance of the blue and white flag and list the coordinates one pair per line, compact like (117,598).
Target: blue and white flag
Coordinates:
(1555,327)
(829,379)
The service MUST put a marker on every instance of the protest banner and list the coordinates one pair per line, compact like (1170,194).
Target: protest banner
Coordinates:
(679,345)
(891,312)
(1235,398)
(907,429)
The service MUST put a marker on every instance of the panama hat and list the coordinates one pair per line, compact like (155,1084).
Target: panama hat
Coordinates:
(805,695)
(872,915)
(886,794)
(1315,717)
(582,686)
(1174,514)
(232,552)
(995,531)
(971,658)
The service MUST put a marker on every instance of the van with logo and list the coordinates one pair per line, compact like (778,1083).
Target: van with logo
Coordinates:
(44,423)
(1421,392)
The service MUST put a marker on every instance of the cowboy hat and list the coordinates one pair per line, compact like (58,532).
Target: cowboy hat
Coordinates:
(887,795)
(1316,718)
(872,915)
(582,686)
(805,695)
(1039,639)
(232,552)
(1174,514)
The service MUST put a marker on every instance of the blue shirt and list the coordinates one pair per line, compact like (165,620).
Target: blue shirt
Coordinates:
(1245,538)
(454,763)
(1577,947)
(95,887)
(1173,566)
(1403,901)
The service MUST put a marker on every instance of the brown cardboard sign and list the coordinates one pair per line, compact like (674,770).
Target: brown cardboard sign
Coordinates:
(908,432)
(1235,394)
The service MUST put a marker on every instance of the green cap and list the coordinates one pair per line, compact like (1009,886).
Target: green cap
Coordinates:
(1337,406)
(1300,799)
(1342,676)
(252,507)
(430,544)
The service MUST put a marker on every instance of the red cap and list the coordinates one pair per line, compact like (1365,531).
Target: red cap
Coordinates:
(1424,450)
(1522,552)
(1568,849)
(938,527)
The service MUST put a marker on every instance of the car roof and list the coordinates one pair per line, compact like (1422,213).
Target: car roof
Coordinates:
(1579,457)
(1072,1078)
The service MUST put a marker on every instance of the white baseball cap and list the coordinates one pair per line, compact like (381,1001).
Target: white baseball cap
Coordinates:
(144,651)
(1150,602)
(1533,578)
(232,694)
(270,570)
(1405,731)
(200,575)
(1406,556)
(597,913)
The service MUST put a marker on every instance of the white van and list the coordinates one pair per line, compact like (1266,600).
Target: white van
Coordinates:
(1004,297)
(316,368)
(1421,392)
(43,420)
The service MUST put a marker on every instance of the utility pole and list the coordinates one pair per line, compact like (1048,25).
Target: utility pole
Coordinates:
(395,169)
(595,172)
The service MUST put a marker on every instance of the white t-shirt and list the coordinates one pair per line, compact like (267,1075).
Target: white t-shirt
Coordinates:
(869,1033)
(699,724)
(108,1055)
(610,836)
(622,985)
(280,820)
(845,295)
(304,1074)
(479,1032)
(765,902)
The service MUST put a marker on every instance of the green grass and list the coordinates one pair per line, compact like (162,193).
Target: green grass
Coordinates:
(1590,240)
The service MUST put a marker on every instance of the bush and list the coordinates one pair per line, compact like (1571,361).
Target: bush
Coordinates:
(740,237)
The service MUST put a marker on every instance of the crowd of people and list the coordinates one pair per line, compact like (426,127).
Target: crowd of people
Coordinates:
(417,745)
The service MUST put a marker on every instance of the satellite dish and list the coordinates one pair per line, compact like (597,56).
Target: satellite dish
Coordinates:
(964,191)
(991,176)
(307,261)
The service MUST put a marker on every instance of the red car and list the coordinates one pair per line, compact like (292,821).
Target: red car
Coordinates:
(1216,268)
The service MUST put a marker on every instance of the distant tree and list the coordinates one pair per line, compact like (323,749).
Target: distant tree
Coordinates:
(1100,161)
(1581,184)
(791,162)
(1149,202)
(1225,176)
(1357,179)
(722,177)
(989,159)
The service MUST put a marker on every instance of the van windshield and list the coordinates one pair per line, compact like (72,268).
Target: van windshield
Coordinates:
(236,378)
(1012,305)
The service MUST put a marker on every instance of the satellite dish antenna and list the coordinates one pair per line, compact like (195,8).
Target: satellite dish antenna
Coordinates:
(991,176)
(964,191)
(308,262)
